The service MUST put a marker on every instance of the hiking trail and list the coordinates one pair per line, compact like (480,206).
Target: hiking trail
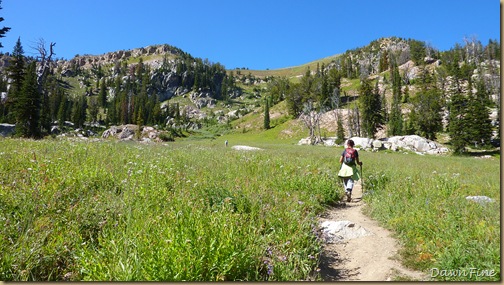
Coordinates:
(371,257)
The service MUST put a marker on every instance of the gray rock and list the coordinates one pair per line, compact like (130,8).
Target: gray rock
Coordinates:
(480,199)
(341,231)
(377,144)
(6,129)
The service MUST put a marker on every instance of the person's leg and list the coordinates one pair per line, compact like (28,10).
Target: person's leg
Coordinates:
(349,183)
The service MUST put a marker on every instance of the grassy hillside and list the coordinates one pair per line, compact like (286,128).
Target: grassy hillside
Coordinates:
(287,71)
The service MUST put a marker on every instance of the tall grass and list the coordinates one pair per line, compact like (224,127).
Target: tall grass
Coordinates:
(122,211)
(423,201)
(196,210)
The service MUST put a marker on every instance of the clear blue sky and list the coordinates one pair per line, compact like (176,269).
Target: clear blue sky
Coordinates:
(257,34)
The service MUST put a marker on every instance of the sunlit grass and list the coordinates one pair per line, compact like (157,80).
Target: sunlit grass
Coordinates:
(200,211)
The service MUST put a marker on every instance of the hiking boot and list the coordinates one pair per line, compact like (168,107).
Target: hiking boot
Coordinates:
(349,196)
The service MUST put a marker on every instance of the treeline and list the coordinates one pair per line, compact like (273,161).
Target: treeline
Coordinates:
(454,97)
(122,94)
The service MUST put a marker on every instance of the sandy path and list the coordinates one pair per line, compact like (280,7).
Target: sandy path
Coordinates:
(368,258)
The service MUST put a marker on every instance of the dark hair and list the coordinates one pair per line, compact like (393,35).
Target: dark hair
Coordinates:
(350,143)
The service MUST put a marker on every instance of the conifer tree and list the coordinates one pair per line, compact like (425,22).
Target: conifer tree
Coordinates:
(16,73)
(266,114)
(3,30)
(372,117)
(456,127)
(395,124)
(478,116)
(428,105)
(102,95)
(340,132)
(28,106)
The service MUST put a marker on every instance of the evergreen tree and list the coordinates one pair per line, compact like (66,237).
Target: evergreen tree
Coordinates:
(16,73)
(395,125)
(459,136)
(3,30)
(417,51)
(478,117)
(340,132)
(28,106)
(293,100)
(428,107)
(384,62)
(102,95)
(79,111)
(62,108)
(266,114)
(370,105)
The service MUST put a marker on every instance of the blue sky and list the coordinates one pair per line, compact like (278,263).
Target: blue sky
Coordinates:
(257,34)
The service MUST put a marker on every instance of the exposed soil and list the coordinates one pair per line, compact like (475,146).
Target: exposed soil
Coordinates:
(368,258)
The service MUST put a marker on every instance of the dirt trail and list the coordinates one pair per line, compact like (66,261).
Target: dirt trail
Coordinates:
(368,258)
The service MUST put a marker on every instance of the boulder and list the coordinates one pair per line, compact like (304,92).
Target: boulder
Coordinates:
(362,142)
(480,199)
(6,129)
(377,144)
(342,231)
(412,143)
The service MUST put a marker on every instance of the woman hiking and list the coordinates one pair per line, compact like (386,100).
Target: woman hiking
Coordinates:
(348,171)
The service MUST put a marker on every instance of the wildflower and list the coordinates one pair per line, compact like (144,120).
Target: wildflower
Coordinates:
(269,251)
(270,269)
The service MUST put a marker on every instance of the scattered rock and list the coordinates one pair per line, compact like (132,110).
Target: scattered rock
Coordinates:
(341,231)
(480,199)
(244,147)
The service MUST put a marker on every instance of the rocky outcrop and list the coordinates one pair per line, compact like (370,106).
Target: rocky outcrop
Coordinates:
(129,132)
(409,143)
(86,61)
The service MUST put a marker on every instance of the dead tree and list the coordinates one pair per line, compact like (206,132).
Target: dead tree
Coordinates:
(311,118)
(45,61)
(43,69)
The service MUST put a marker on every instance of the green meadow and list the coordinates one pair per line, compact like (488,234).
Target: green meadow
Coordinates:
(196,210)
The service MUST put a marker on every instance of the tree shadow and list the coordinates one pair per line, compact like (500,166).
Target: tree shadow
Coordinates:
(330,272)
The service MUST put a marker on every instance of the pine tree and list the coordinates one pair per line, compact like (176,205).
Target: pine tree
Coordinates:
(370,105)
(429,120)
(16,73)
(478,116)
(340,133)
(102,95)
(3,30)
(79,111)
(28,106)
(428,105)
(457,121)
(266,114)
(395,125)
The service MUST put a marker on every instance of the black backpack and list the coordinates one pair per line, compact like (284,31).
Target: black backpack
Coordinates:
(349,158)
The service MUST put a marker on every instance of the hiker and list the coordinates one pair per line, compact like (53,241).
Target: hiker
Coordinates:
(348,171)
(226,143)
